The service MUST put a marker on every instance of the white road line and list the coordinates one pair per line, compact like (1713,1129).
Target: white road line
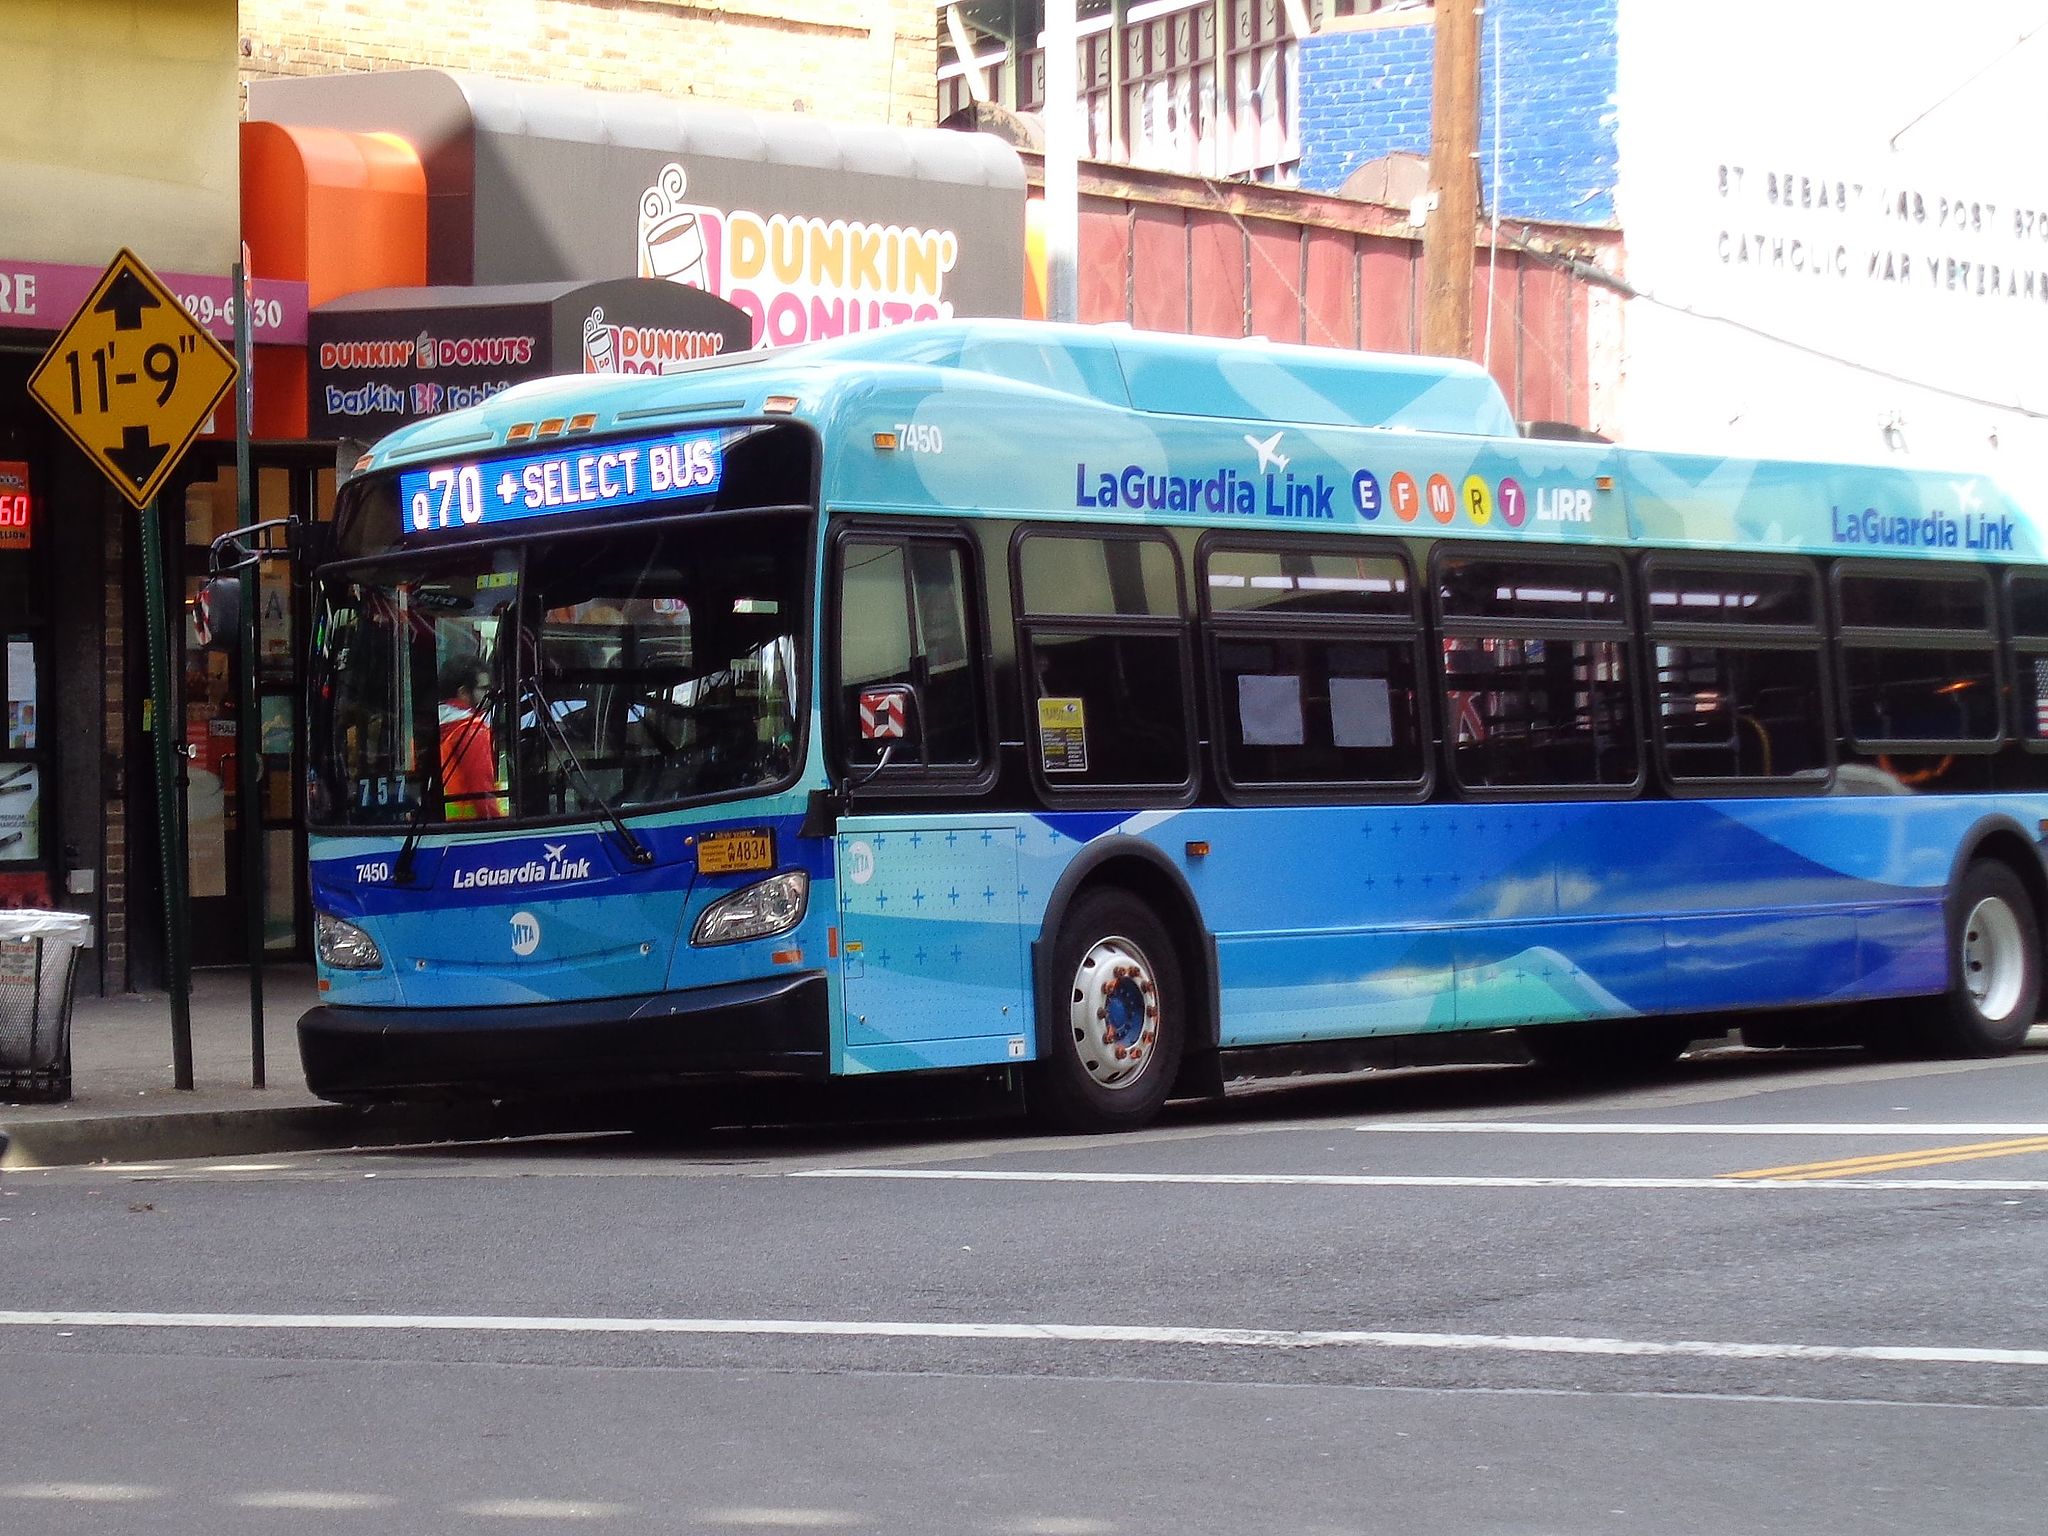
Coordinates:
(1661,1128)
(309,1499)
(1032,1333)
(1412,1181)
(82,1493)
(777,1516)
(542,1509)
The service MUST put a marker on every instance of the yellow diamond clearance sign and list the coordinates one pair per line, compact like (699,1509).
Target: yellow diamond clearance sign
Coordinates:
(133,378)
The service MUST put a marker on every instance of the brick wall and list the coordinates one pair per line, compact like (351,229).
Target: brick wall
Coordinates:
(1365,93)
(865,61)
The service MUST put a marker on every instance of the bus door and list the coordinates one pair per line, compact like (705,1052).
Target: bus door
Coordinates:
(933,957)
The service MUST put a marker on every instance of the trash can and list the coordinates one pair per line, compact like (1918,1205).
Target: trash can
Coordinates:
(38,963)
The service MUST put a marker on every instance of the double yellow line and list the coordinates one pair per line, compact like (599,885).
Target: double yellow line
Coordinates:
(1895,1162)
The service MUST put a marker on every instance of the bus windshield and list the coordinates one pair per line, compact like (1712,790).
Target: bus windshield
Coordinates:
(636,666)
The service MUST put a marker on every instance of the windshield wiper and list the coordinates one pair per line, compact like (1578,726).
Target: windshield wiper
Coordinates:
(544,715)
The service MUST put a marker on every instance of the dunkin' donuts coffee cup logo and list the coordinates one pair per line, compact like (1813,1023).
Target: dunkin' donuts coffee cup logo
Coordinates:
(609,348)
(798,278)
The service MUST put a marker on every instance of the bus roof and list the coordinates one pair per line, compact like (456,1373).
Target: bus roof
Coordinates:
(1104,423)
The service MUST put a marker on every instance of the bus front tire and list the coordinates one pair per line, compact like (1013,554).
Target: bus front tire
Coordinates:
(1111,1041)
(1995,968)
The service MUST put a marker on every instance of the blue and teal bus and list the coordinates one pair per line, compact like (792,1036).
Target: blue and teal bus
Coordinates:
(1087,705)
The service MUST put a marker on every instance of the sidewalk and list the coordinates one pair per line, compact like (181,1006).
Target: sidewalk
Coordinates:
(124,1109)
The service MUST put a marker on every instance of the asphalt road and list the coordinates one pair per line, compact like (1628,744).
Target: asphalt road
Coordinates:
(1774,1293)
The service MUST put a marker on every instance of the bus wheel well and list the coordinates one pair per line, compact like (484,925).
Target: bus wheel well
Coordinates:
(1168,898)
(2008,847)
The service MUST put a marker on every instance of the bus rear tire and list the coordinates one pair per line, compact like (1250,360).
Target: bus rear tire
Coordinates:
(1624,1048)
(1116,1020)
(1994,946)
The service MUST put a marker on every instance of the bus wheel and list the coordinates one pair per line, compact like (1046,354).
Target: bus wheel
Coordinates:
(1629,1048)
(1995,951)
(1113,1040)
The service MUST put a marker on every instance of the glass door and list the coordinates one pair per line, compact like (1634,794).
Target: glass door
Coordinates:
(24,734)
(213,809)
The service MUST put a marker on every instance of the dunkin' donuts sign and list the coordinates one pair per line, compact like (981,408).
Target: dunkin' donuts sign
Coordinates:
(385,358)
(797,277)
(609,347)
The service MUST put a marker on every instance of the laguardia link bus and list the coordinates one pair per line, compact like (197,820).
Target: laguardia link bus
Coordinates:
(1080,706)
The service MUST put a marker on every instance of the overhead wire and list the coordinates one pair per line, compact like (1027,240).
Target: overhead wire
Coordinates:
(1589,272)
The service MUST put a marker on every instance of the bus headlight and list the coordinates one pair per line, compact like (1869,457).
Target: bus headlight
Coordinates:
(760,911)
(343,945)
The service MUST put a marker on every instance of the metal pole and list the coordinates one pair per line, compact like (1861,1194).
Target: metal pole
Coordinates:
(1062,171)
(249,730)
(164,728)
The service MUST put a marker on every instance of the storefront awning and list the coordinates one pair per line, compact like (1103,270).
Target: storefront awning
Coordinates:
(389,356)
(815,228)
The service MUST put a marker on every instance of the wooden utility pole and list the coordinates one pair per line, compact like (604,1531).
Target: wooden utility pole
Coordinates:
(1447,236)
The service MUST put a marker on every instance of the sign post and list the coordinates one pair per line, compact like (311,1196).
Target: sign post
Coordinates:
(131,380)
(249,726)
(160,720)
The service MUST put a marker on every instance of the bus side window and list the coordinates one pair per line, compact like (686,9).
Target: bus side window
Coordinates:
(1919,667)
(1107,693)
(1536,658)
(2027,597)
(904,617)
(1315,656)
(1737,652)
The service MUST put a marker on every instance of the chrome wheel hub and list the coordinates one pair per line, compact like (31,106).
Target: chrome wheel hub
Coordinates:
(1994,958)
(1114,1014)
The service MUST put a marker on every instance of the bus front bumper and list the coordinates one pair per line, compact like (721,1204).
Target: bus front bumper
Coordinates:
(776,1027)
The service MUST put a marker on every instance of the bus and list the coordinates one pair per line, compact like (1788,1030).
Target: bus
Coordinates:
(1080,705)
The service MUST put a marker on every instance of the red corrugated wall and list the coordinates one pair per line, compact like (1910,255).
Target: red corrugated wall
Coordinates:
(1168,258)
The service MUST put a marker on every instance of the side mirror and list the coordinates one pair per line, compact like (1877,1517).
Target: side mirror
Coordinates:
(217,618)
(890,722)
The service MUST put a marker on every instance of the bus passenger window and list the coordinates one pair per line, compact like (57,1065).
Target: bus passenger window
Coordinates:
(2028,598)
(1319,710)
(1536,674)
(1106,657)
(1918,660)
(1314,653)
(1738,671)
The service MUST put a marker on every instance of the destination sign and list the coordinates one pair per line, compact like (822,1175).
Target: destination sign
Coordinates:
(585,477)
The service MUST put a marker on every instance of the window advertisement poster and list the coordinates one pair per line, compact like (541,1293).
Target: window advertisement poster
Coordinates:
(20,806)
(1063,735)
(21,694)
(274,615)
(17,529)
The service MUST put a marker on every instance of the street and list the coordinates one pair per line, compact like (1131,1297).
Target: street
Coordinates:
(1790,1293)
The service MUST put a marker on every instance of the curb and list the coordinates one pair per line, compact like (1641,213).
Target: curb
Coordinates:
(229,1133)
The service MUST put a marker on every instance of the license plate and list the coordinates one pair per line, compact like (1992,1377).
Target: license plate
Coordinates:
(732,853)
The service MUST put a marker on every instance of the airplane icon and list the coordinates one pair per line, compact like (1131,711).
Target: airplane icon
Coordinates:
(555,851)
(1270,456)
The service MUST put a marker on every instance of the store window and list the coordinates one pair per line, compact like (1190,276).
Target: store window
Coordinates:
(24,748)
